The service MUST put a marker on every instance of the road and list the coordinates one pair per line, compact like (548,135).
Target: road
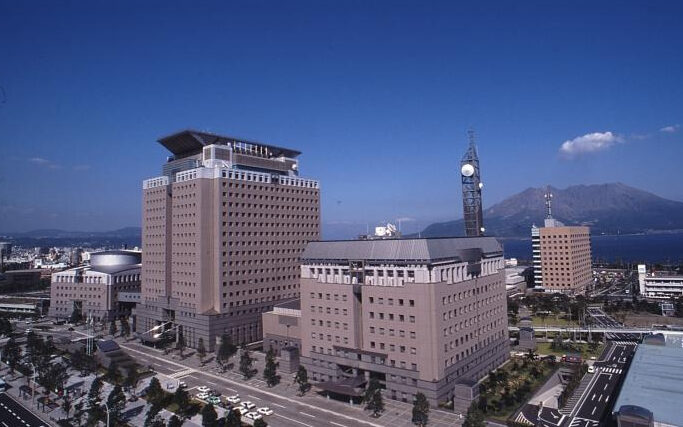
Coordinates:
(601,318)
(595,400)
(12,414)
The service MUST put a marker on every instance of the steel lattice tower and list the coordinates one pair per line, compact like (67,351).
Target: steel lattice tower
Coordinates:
(471,190)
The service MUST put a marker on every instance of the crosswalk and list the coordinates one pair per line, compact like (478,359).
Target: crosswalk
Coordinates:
(570,404)
(583,422)
(182,373)
(625,342)
(611,370)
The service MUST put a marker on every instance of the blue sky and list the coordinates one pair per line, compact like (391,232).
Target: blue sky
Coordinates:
(377,95)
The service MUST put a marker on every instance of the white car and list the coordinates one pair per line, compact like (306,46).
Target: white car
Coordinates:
(203,396)
(254,416)
(240,410)
(233,399)
(591,370)
(247,404)
(265,411)
(203,389)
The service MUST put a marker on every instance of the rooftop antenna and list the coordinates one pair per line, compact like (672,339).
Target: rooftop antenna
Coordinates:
(548,203)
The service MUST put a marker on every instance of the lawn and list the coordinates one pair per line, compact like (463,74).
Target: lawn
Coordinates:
(511,385)
(583,348)
(552,321)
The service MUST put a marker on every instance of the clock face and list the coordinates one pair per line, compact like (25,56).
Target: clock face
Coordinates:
(467,170)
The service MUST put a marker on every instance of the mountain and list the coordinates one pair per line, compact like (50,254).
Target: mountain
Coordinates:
(129,236)
(612,208)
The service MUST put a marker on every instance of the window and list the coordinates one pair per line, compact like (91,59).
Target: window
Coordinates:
(412,319)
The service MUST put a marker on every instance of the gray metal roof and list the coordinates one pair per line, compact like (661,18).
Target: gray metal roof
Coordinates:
(655,382)
(425,250)
(190,141)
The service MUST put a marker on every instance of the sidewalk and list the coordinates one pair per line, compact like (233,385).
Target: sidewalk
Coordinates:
(50,416)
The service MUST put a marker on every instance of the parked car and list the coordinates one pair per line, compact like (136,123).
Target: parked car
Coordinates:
(202,395)
(235,399)
(249,405)
(254,416)
(182,384)
(213,400)
(265,411)
(203,389)
(591,369)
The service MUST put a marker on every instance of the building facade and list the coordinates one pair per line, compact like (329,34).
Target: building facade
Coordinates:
(222,231)
(660,284)
(93,290)
(566,259)
(420,315)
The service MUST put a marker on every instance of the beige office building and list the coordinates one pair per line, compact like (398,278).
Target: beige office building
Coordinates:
(103,290)
(222,231)
(566,259)
(425,315)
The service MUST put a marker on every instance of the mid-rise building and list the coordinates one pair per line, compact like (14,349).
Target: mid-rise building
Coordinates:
(98,289)
(566,259)
(420,315)
(659,284)
(561,255)
(222,231)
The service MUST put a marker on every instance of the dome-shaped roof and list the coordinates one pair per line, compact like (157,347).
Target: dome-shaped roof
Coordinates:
(115,258)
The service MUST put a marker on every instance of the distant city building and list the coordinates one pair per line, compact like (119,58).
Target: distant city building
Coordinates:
(222,231)
(561,255)
(659,284)
(20,278)
(652,391)
(5,253)
(420,315)
(471,191)
(95,289)
(515,282)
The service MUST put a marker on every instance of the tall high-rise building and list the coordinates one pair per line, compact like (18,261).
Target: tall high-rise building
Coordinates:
(222,231)
(471,190)
(561,255)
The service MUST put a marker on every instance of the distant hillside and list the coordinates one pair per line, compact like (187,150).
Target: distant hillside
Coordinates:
(606,208)
(129,236)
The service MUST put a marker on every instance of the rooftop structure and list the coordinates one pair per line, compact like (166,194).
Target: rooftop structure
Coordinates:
(652,391)
(471,190)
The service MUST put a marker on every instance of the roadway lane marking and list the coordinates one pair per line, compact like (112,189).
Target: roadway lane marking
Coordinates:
(3,423)
(212,383)
(265,392)
(278,405)
(594,410)
(296,421)
(600,398)
(308,415)
(337,424)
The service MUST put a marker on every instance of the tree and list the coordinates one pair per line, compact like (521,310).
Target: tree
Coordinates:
(11,354)
(372,386)
(112,328)
(94,393)
(474,417)
(180,343)
(132,378)
(233,419)
(153,419)
(78,413)
(260,423)
(301,378)
(76,316)
(66,405)
(270,371)
(209,416)
(116,403)
(182,398)
(225,351)
(246,363)
(113,373)
(125,327)
(53,377)
(155,393)
(174,421)
(420,410)
(201,350)
(376,404)
(5,326)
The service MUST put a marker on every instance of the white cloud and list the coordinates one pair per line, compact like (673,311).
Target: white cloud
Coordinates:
(405,219)
(589,143)
(670,129)
(80,168)
(39,160)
